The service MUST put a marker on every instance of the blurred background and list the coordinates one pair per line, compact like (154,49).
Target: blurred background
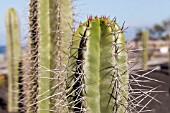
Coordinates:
(140,16)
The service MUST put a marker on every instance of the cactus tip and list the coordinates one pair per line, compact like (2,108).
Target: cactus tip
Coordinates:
(104,17)
(90,18)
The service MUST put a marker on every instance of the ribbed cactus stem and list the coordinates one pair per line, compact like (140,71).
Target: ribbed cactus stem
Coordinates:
(13,58)
(50,28)
(33,54)
(61,33)
(98,79)
(23,82)
(145,36)
(21,87)
(44,54)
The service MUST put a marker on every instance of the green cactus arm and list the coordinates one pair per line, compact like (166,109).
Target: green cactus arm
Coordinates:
(100,66)
(145,36)
(13,58)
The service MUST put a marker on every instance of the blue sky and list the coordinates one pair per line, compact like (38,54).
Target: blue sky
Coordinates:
(136,13)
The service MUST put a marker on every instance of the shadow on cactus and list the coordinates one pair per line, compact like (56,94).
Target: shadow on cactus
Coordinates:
(98,76)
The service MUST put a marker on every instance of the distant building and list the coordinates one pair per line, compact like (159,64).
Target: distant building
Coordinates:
(156,47)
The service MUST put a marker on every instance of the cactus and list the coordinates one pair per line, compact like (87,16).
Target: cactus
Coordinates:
(13,58)
(20,86)
(23,80)
(33,63)
(50,33)
(145,36)
(98,71)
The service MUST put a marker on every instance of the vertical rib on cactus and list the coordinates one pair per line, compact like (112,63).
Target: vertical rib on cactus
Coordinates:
(60,23)
(145,37)
(98,77)
(44,55)
(51,15)
(21,87)
(23,83)
(33,71)
(51,30)
(13,58)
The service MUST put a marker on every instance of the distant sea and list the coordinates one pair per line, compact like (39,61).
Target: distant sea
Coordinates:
(3,50)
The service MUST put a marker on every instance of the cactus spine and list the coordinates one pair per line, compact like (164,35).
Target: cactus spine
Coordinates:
(50,33)
(33,40)
(23,80)
(13,58)
(145,37)
(98,77)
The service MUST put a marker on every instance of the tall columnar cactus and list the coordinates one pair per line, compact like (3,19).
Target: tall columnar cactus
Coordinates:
(13,58)
(98,71)
(49,42)
(145,37)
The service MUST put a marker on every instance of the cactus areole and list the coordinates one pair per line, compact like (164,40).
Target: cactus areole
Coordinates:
(98,77)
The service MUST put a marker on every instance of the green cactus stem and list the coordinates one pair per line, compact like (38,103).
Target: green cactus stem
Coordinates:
(145,36)
(98,70)
(50,33)
(13,58)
